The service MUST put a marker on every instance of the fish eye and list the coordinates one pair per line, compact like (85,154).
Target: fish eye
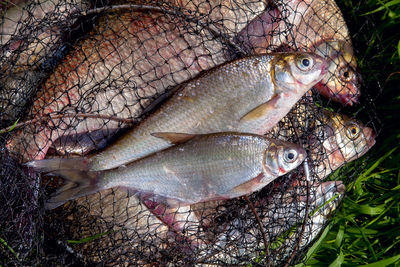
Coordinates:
(352,131)
(290,155)
(305,63)
(346,74)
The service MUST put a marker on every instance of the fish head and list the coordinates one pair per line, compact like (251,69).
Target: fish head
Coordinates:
(346,139)
(281,157)
(343,81)
(298,70)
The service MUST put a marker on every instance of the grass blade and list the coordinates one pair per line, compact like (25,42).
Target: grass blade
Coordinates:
(384,6)
(384,262)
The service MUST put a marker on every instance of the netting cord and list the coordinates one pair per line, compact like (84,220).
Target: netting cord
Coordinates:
(308,179)
(60,116)
(303,227)
(216,34)
(251,206)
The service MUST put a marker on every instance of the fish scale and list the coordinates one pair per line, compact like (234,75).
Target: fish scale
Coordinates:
(201,168)
(215,102)
(115,70)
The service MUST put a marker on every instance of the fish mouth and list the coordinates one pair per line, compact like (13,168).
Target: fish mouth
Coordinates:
(347,99)
(324,68)
(344,98)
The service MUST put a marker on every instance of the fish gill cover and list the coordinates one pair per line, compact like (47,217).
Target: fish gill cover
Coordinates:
(77,74)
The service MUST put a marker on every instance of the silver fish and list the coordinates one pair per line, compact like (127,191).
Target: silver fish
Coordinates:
(202,168)
(247,95)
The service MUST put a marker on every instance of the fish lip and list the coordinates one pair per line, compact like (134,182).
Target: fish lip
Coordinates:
(324,67)
(348,99)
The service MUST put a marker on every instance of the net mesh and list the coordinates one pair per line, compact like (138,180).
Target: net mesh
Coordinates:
(76,74)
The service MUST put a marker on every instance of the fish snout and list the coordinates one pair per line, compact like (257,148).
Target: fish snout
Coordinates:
(348,98)
(324,65)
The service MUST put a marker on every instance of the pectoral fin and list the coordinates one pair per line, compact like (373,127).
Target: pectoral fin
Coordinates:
(262,110)
(174,138)
(247,187)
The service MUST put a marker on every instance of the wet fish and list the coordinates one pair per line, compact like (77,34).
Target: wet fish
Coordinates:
(225,17)
(246,95)
(329,198)
(279,211)
(309,25)
(202,168)
(346,139)
(31,41)
(333,139)
(112,74)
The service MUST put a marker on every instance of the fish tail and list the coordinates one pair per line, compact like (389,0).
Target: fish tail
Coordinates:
(50,165)
(78,184)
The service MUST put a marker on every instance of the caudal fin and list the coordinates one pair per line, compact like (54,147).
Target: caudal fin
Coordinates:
(50,165)
(78,184)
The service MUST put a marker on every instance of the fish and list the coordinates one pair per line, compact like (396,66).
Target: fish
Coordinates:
(346,139)
(322,211)
(247,95)
(198,168)
(225,17)
(114,75)
(32,40)
(281,208)
(32,30)
(308,25)
(333,139)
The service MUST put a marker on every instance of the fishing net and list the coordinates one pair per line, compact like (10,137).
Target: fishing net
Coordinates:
(77,74)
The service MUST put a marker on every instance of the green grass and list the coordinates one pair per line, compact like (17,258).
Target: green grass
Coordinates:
(366,229)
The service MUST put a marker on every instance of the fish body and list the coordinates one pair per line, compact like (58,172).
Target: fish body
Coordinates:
(31,40)
(308,25)
(327,200)
(206,167)
(115,70)
(225,17)
(218,101)
(279,212)
(332,140)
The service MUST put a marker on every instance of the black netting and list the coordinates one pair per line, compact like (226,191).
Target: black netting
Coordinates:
(77,74)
